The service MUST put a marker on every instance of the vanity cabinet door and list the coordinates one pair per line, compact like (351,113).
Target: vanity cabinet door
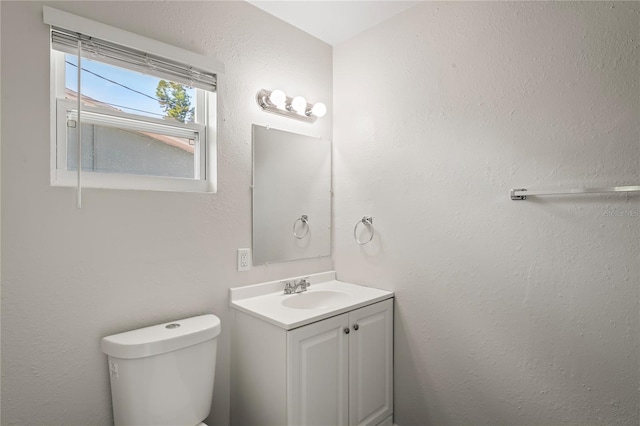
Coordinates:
(317,373)
(371,364)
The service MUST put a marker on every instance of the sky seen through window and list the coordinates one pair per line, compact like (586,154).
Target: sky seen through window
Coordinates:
(126,90)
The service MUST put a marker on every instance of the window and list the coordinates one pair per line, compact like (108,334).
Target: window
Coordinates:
(146,121)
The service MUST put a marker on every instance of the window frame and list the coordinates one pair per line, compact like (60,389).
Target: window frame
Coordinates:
(205,107)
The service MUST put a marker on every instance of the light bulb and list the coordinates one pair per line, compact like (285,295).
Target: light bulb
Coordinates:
(278,98)
(319,109)
(299,105)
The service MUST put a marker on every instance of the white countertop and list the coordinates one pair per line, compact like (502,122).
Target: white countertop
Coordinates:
(268,302)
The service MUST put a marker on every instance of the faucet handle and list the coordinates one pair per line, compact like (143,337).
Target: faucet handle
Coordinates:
(288,287)
(304,282)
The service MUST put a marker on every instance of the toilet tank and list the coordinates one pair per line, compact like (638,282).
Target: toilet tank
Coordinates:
(163,375)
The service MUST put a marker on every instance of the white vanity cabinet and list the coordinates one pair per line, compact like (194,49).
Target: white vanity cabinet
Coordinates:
(336,371)
(340,369)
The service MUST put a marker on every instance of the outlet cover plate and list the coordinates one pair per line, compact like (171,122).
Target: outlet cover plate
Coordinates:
(244,259)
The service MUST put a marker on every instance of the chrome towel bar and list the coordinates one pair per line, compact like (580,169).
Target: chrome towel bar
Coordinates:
(522,194)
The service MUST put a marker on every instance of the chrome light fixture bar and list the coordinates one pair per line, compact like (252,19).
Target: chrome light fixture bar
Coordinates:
(277,102)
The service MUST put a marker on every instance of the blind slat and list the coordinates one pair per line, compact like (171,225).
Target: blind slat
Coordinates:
(114,54)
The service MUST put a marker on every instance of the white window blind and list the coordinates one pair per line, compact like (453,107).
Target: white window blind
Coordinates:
(125,57)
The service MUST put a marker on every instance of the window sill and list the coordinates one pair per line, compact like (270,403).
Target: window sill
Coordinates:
(131,182)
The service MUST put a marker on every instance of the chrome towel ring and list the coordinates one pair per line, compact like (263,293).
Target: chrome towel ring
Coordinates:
(304,221)
(368,222)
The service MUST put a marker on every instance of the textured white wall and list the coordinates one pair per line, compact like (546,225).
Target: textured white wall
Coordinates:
(507,312)
(129,258)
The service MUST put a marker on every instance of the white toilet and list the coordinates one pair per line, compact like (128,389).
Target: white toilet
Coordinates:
(163,375)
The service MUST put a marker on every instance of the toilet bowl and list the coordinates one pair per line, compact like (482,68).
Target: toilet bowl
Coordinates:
(163,375)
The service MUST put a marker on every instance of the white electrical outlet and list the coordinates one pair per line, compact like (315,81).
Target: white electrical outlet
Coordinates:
(244,261)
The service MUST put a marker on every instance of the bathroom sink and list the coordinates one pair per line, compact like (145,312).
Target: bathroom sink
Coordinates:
(325,298)
(321,299)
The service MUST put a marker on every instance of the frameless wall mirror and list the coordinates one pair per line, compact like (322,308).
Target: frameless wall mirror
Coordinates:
(291,196)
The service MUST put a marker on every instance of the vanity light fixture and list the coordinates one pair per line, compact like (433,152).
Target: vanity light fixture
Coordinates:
(277,102)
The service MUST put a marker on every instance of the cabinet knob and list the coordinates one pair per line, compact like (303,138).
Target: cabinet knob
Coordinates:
(346,330)
(356,327)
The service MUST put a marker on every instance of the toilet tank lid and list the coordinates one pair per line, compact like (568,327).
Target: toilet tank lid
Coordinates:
(162,338)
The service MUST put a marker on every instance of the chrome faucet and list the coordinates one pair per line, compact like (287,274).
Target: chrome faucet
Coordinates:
(291,287)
